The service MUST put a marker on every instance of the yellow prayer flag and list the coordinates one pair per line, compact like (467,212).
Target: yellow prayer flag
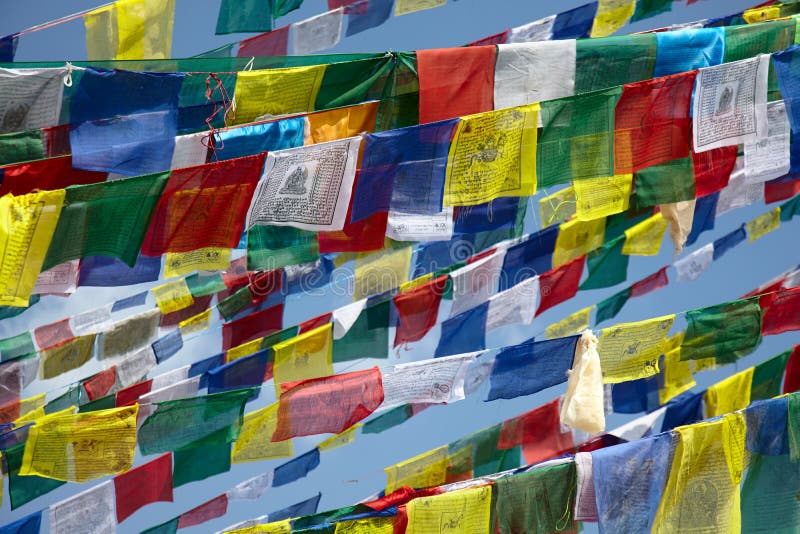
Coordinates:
(370,525)
(600,197)
(702,493)
(172,296)
(339,440)
(677,376)
(381,271)
(703,364)
(644,239)
(576,238)
(39,412)
(572,324)
(493,154)
(196,323)
(341,123)
(423,471)
(760,226)
(66,357)
(416,282)
(629,351)
(31,408)
(202,259)
(274,92)
(27,223)
(611,16)
(308,355)
(465,512)
(81,447)
(730,394)
(404,7)
(245,349)
(276,527)
(255,439)
(130,29)
(557,207)
(760,14)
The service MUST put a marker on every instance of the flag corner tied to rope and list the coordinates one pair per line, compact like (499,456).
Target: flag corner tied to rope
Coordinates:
(130,29)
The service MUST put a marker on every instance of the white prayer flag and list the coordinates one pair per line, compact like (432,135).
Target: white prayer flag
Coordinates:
(435,381)
(30,98)
(307,187)
(189,150)
(473,284)
(345,317)
(532,72)
(738,193)
(317,33)
(61,279)
(515,305)
(768,158)
(692,266)
(93,510)
(252,488)
(414,227)
(730,103)
(538,30)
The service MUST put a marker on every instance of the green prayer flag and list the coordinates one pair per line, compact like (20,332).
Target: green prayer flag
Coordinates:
(200,461)
(608,266)
(612,61)
(387,420)
(71,398)
(25,489)
(277,337)
(103,403)
(725,331)
(767,377)
(168,527)
(484,446)
(501,460)
(664,184)
(749,40)
(790,208)
(619,222)
(237,16)
(610,307)
(204,285)
(328,516)
(650,8)
(577,138)
(541,500)
(105,219)
(400,94)
(793,426)
(368,337)
(273,247)
(15,347)
(183,422)
(17,147)
(235,302)
(769,495)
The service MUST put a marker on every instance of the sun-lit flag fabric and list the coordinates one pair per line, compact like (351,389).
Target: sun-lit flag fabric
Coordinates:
(418,310)
(145,484)
(261,93)
(130,29)
(255,439)
(466,511)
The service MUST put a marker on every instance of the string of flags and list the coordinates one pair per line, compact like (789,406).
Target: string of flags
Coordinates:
(421,174)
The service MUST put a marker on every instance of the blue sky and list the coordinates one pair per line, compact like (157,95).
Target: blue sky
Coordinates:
(351,473)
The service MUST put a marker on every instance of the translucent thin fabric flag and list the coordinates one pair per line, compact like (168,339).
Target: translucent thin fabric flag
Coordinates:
(304,357)
(540,433)
(782,313)
(418,310)
(81,447)
(94,507)
(130,29)
(255,439)
(423,471)
(328,405)
(725,331)
(437,381)
(465,511)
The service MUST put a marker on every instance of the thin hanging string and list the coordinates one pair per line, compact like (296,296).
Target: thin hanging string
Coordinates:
(62,20)
(213,140)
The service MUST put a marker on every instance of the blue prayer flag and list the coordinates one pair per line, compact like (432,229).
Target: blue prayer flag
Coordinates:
(494,215)
(527,259)
(307,507)
(466,332)
(266,137)
(686,50)
(167,346)
(248,371)
(8,48)
(27,525)
(404,170)
(728,241)
(685,409)
(629,479)
(108,271)
(766,427)
(575,23)
(124,122)
(530,367)
(367,14)
(203,366)
(635,396)
(295,468)
(130,302)
(705,210)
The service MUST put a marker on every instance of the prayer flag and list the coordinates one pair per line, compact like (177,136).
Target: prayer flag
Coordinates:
(725,331)
(629,351)
(216,507)
(597,198)
(466,511)
(644,239)
(516,79)
(262,93)
(255,325)
(423,471)
(729,395)
(255,440)
(32,99)
(295,468)
(147,483)
(94,507)
(130,29)
(611,16)
(560,284)
(417,310)
(303,357)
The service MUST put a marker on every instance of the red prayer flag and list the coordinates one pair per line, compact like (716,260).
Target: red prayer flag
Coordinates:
(316,322)
(203,206)
(216,507)
(496,39)
(454,82)
(172,319)
(274,43)
(712,169)
(236,276)
(9,411)
(400,496)
(56,140)
(417,310)
(361,236)
(330,404)
(773,192)
(259,324)
(558,285)
(336,4)
(655,281)
(652,122)
(791,378)
(148,483)
(782,314)
(130,395)
(99,385)
(45,175)
(53,334)
(596,443)
(539,433)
